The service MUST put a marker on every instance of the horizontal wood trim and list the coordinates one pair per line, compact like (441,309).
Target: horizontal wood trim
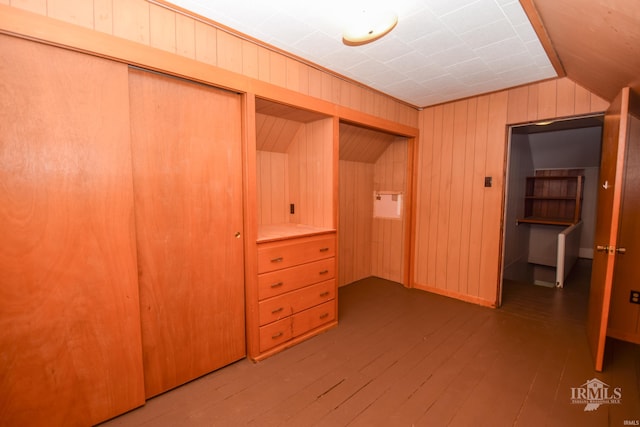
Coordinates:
(21,23)
(456,295)
(543,36)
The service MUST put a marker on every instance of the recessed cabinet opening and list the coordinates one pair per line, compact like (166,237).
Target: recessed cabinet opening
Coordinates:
(294,171)
(293,294)
(372,197)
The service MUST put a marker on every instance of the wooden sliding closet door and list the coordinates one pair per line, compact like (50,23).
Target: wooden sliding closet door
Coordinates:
(70,347)
(186,141)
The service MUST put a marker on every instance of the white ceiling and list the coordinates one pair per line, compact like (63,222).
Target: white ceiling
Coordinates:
(440,50)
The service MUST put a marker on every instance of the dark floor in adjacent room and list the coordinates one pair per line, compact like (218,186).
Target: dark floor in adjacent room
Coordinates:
(403,357)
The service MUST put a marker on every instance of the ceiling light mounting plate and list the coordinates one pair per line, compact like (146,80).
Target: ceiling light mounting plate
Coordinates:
(369,25)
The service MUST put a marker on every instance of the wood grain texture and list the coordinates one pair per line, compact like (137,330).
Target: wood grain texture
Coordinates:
(70,347)
(388,235)
(458,231)
(141,22)
(614,140)
(624,317)
(356,221)
(188,195)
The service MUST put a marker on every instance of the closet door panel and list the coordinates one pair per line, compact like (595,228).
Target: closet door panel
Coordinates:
(188,203)
(70,346)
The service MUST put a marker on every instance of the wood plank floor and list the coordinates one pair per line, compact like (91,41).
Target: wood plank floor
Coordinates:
(402,357)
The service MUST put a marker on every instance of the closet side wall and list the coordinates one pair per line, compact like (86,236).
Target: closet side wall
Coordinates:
(387,235)
(356,221)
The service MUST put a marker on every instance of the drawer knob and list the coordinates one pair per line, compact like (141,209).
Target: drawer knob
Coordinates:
(324,315)
(276,336)
(277,310)
(277,285)
(279,259)
(324,271)
(324,249)
(325,294)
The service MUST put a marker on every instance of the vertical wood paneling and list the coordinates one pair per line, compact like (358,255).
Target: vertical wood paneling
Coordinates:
(547,99)
(206,43)
(229,52)
(565,98)
(79,13)
(250,59)
(277,69)
(495,168)
(35,6)
(388,234)
(185,36)
(478,196)
(131,20)
(582,100)
(423,196)
(356,218)
(272,187)
(162,28)
(457,194)
(264,64)
(103,16)
(458,234)
(436,191)
(532,104)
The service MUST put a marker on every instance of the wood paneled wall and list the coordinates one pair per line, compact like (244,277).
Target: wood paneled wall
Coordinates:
(311,173)
(458,220)
(387,236)
(356,221)
(173,30)
(371,246)
(302,175)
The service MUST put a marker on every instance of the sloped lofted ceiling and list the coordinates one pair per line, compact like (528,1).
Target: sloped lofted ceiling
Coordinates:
(598,42)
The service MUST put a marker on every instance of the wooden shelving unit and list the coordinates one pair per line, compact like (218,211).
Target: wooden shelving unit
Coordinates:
(553,200)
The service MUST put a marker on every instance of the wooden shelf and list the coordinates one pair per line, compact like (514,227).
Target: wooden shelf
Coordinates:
(553,200)
(545,221)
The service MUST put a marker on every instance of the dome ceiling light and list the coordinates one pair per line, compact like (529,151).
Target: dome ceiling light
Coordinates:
(368,26)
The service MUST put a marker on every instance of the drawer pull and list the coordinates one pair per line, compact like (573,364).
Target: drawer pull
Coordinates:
(324,315)
(324,271)
(325,294)
(324,249)
(279,259)
(276,285)
(276,336)
(277,310)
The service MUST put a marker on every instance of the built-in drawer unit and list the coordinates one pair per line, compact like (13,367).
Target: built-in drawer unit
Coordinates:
(296,290)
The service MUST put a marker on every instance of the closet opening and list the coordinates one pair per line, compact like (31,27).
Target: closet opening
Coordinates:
(374,204)
(550,211)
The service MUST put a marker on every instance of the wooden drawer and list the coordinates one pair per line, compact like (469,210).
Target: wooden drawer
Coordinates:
(287,253)
(281,306)
(281,281)
(313,317)
(275,333)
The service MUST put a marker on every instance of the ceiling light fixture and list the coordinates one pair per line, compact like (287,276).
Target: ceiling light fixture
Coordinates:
(368,26)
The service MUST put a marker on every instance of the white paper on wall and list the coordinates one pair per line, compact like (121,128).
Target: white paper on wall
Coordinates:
(387,204)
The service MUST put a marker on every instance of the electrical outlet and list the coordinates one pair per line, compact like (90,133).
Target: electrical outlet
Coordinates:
(634,298)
